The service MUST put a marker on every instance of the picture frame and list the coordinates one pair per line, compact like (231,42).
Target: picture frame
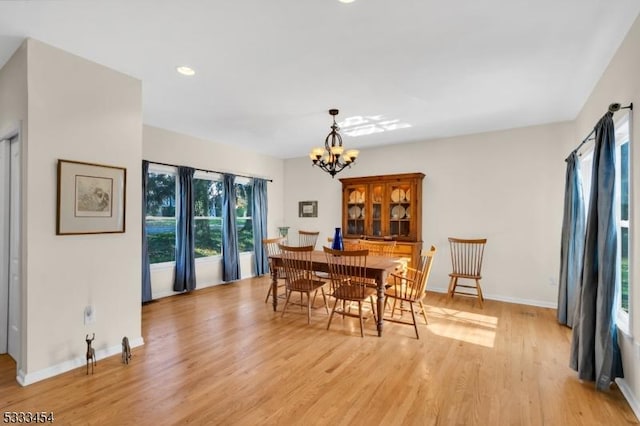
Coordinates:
(308,209)
(91,198)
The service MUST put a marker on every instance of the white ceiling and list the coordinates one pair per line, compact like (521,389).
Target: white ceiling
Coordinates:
(269,70)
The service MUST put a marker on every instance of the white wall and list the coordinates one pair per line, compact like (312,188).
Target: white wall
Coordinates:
(621,83)
(82,111)
(13,115)
(507,186)
(174,148)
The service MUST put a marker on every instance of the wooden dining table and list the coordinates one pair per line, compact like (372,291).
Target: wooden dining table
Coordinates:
(378,267)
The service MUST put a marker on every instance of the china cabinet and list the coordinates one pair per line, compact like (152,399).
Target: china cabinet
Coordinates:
(385,207)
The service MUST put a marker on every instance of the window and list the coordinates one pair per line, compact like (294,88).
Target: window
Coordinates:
(622,204)
(622,212)
(244,222)
(207,190)
(161,214)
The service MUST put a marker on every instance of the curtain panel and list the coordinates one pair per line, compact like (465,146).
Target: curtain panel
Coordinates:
(595,354)
(572,242)
(146,267)
(259,213)
(185,272)
(230,254)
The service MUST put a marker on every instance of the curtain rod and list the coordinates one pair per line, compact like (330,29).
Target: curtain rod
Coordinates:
(612,108)
(209,171)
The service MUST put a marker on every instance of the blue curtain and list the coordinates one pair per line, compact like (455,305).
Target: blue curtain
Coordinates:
(595,354)
(146,270)
(185,275)
(572,243)
(259,216)
(230,255)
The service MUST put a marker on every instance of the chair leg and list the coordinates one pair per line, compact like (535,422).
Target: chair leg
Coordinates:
(373,309)
(413,317)
(332,312)
(480,297)
(266,299)
(286,303)
(454,283)
(324,297)
(424,312)
(309,307)
(360,313)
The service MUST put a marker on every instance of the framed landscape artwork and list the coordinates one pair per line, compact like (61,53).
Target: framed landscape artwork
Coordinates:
(308,209)
(91,198)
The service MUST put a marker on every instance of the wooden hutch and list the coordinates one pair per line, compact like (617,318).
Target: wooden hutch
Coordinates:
(385,207)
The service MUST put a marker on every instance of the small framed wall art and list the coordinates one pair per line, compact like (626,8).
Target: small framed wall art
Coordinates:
(91,198)
(308,209)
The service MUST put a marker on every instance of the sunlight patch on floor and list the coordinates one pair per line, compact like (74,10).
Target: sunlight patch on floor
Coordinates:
(465,326)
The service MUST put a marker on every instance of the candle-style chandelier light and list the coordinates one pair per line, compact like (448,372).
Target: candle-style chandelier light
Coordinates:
(333,158)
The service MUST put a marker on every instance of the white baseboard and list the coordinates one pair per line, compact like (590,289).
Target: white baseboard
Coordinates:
(508,299)
(63,367)
(629,396)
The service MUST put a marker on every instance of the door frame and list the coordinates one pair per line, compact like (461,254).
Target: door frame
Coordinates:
(14,134)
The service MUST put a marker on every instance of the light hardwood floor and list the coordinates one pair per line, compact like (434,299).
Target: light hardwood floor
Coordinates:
(222,356)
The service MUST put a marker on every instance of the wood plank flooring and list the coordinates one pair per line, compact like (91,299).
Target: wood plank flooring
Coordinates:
(222,356)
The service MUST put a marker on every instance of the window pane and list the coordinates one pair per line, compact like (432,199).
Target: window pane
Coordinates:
(624,268)
(244,222)
(161,217)
(208,217)
(624,181)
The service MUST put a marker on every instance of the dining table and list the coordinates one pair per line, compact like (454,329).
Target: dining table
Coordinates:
(378,267)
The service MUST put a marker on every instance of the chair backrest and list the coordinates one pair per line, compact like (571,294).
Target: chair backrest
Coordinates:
(307,238)
(271,247)
(378,248)
(348,272)
(416,282)
(466,256)
(298,266)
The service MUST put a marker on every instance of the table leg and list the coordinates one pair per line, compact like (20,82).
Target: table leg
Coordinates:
(274,287)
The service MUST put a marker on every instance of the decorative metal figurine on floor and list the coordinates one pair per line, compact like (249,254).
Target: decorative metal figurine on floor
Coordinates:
(126,350)
(91,353)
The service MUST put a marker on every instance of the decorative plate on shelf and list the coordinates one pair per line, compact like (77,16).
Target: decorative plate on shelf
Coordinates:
(356,197)
(397,195)
(354,212)
(407,195)
(398,212)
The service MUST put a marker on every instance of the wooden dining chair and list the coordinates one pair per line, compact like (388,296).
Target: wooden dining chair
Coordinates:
(378,248)
(348,274)
(409,289)
(307,238)
(466,263)
(299,276)
(271,247)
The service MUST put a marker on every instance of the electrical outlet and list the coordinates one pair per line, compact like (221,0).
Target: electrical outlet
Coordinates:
(89,315)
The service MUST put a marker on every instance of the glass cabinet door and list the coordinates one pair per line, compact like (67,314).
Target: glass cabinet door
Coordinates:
(377,198)
(356,209)
(400,209)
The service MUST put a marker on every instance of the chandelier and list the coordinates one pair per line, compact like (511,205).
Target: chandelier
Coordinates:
(332,159)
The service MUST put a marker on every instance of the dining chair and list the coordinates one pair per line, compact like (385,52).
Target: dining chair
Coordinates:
(271,248)
(299,276)
(378,248)
(466,263)
(348,274)
(307,238)
(409,288)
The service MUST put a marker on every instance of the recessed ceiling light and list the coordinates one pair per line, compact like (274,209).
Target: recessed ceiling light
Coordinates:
(185,71)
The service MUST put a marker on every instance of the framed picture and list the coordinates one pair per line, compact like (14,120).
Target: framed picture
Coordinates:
(308,209)
(91,198)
